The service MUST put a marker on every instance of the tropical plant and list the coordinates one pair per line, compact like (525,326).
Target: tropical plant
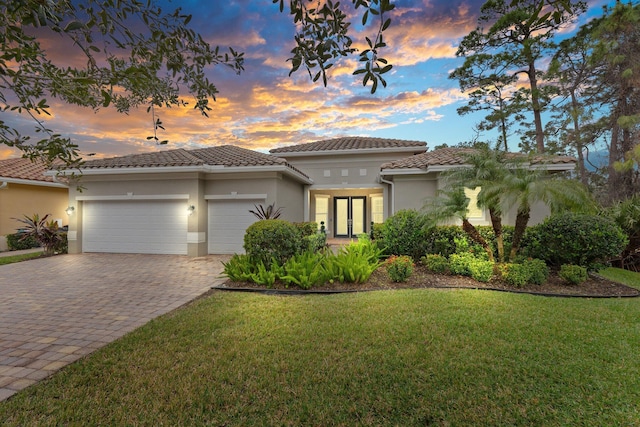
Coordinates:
(627,215)
(453,204)
(523,186)
(483,166)
(304,270)
(436,263)
(46,233)
(239,268)
(270,212)
(355,262)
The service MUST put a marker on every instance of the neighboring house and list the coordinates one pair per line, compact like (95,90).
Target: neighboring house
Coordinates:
(197,202)
(25,190)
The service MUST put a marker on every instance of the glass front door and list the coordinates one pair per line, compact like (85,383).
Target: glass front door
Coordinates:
(349,215)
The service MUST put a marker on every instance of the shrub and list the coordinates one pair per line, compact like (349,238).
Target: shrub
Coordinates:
(354,262)
(574,274)
(436,263)
(18,242)
(515,274)
(308,228)
(399,268)
(627,215)
(46,233)
(538,271)
(316,241)
(578,239)
(267,277)
(441,239)
(404,234)
(239,268)
(459,263)
(272,239)
(481,270)
(304,270)
(377,231)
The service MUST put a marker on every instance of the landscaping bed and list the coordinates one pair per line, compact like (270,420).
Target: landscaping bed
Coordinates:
(595,286)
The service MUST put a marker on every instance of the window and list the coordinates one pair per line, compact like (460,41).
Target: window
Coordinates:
(473,211)
(322,211)
(377,209)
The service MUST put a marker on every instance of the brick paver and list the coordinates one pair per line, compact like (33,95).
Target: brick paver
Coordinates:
(55,310)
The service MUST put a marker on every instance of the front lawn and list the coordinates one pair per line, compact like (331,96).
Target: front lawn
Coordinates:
(408,357)
(10,259)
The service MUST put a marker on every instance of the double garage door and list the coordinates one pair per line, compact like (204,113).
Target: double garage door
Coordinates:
(144,227)
(160,227)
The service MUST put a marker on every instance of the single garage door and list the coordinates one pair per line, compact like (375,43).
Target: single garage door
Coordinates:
(139,227)
(228,221)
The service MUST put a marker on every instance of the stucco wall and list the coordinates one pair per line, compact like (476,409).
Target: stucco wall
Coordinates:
(17,200)
(412,191)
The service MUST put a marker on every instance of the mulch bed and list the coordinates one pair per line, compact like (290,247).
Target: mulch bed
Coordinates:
(595,286)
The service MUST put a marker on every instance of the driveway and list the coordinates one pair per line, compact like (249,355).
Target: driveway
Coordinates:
(55,310)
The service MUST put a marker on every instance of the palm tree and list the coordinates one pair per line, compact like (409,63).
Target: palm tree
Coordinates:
(523,186)
(483,167)
(453,204)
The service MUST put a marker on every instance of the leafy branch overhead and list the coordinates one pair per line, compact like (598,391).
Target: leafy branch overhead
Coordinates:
(124,54)
(323,38)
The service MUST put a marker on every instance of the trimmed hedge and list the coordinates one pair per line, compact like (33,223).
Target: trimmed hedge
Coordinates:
(579,239)
(404,234)
(270,239)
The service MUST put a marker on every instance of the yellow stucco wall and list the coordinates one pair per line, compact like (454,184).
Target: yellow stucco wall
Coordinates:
(17,200)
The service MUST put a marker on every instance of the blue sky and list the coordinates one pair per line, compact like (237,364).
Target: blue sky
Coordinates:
(263,107)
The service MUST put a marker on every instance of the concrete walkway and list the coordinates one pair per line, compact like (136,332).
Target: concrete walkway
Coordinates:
(56,310)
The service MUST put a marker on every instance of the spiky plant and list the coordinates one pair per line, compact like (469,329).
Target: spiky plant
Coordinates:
(270,212)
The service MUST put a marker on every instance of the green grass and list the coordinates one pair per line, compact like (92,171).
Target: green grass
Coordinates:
(405,358)
(619,275)
(17,258)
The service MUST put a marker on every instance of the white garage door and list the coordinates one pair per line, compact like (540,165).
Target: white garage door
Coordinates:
(228,221)
(143,227)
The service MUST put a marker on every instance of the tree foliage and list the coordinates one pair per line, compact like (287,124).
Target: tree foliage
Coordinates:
(125,54)
(513,37)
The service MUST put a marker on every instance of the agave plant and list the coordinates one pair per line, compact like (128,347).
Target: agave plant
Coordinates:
(270,212)
(45,232)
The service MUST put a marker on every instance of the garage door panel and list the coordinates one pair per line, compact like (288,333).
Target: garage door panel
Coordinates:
(228,221)
(153,227)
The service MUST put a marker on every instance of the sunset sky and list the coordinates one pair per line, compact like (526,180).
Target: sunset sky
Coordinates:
(264,108)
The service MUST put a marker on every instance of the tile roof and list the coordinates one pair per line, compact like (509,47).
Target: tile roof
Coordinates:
(23,169)
(455,156)
(350,143)
(223,155)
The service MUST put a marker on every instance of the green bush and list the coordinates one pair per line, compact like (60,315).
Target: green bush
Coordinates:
(240,268)
(307,228)
(354,262)
(404,234)
(515,274)
(459,263)
(15,242)
(273,239)
(578,239)
(377,231)
(304,270)
(442,239)
(399,268)
(574,274)
(538,271)
(481,270)
(435,263)
(627,215)
(316,241)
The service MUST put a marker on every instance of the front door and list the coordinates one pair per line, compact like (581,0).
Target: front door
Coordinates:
(349,216)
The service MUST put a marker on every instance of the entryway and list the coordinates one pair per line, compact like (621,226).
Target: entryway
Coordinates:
(349,215)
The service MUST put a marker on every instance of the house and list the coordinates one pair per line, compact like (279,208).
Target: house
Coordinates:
(197,202)
(25,190)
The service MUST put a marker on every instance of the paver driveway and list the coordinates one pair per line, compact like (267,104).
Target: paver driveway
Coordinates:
(55,310)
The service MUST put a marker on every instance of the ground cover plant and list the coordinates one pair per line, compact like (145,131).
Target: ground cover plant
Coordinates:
(410,357)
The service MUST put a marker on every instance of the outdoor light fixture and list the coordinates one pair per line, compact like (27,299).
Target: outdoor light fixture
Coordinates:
(190,210)
(70,210)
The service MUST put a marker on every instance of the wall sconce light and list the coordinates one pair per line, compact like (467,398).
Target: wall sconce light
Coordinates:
(190,210)
(70,210)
